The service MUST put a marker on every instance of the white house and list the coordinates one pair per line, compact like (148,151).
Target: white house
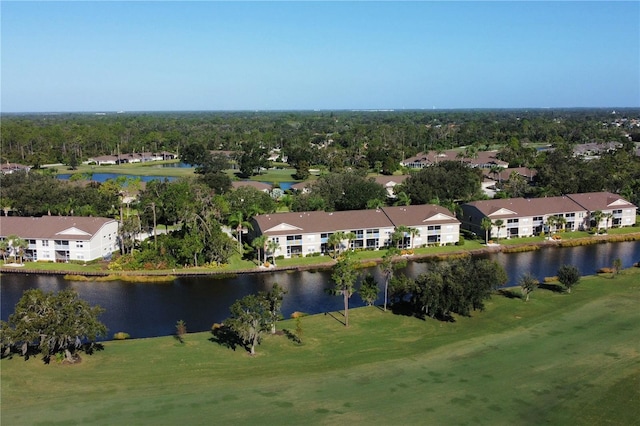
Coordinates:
(523,217)
(63,238)
(305,233)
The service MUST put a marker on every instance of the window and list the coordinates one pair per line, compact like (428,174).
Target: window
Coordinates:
(79,244)
(359,233)
(45,243)
(537,218)
(512,220)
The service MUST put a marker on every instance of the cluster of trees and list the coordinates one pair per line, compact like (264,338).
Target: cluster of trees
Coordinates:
(371,140)
(36,194)
(453,286)
(13,246)
(568,276)
(251,317)
(58,325)
(193,214)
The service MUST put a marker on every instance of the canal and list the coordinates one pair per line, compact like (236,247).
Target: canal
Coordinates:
(147,310)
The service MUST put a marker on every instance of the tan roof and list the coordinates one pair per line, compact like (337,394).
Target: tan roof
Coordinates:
(433,157)
(52,227)
(318,221)
(516,207)
(419,215)
(593,201)
(255,184)
(385,180)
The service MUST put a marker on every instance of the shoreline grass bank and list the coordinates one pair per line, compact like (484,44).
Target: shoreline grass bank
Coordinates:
(366,258)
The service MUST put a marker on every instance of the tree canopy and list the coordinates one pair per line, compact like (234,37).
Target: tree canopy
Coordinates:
(53,324)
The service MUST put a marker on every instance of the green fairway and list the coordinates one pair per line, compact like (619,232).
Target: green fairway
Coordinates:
(558,359)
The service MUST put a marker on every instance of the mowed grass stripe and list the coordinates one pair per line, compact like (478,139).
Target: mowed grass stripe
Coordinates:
(558,359)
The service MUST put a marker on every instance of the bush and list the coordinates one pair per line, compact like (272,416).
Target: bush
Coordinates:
(460,241)
(121,335)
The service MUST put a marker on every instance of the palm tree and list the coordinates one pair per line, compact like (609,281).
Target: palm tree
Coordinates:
(399,234)
(528,284)
(607,216)
(497,170)
(272,247)
(413,232)
(4,249)
(349,236)
(18,246)
(561,222)
(238,222)
(375,203)
(499,223)
(486,224)
(597,217)
(260,243)
(402,199)
(551,224)
(335,241)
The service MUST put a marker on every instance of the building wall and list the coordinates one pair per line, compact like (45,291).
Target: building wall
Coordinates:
(102,244)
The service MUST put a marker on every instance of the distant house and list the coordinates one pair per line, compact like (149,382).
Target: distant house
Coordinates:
(63,238)
(264,187)
(593,150)
(390,182)
(103,160)
(164,155)
(305,233)
(302,187)
(134,157)
(8,168)
(482,159)
(524,217)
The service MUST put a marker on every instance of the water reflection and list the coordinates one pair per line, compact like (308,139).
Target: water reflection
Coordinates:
(145,310)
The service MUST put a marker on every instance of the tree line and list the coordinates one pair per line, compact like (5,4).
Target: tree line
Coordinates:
(333,139)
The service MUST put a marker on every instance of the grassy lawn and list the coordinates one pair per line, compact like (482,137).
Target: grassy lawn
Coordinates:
(557,359)
(153,169)
(138,169)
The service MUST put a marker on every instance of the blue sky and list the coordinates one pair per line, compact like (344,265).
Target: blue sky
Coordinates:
(158,56)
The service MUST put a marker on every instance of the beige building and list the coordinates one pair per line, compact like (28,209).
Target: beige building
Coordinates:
(524,217)
(63,238)
(305,233)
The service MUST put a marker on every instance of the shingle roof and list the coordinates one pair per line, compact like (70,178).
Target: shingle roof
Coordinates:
(385,180)
(516,207)
(318,221)
(419,215)
(52,227)
(593,201)
(433,157)
(255,184)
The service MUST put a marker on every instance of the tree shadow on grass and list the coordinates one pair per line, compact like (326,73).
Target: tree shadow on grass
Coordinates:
(402,308)
(509,294)
(556,288)
(333,315)
(225,336)
(292,336)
